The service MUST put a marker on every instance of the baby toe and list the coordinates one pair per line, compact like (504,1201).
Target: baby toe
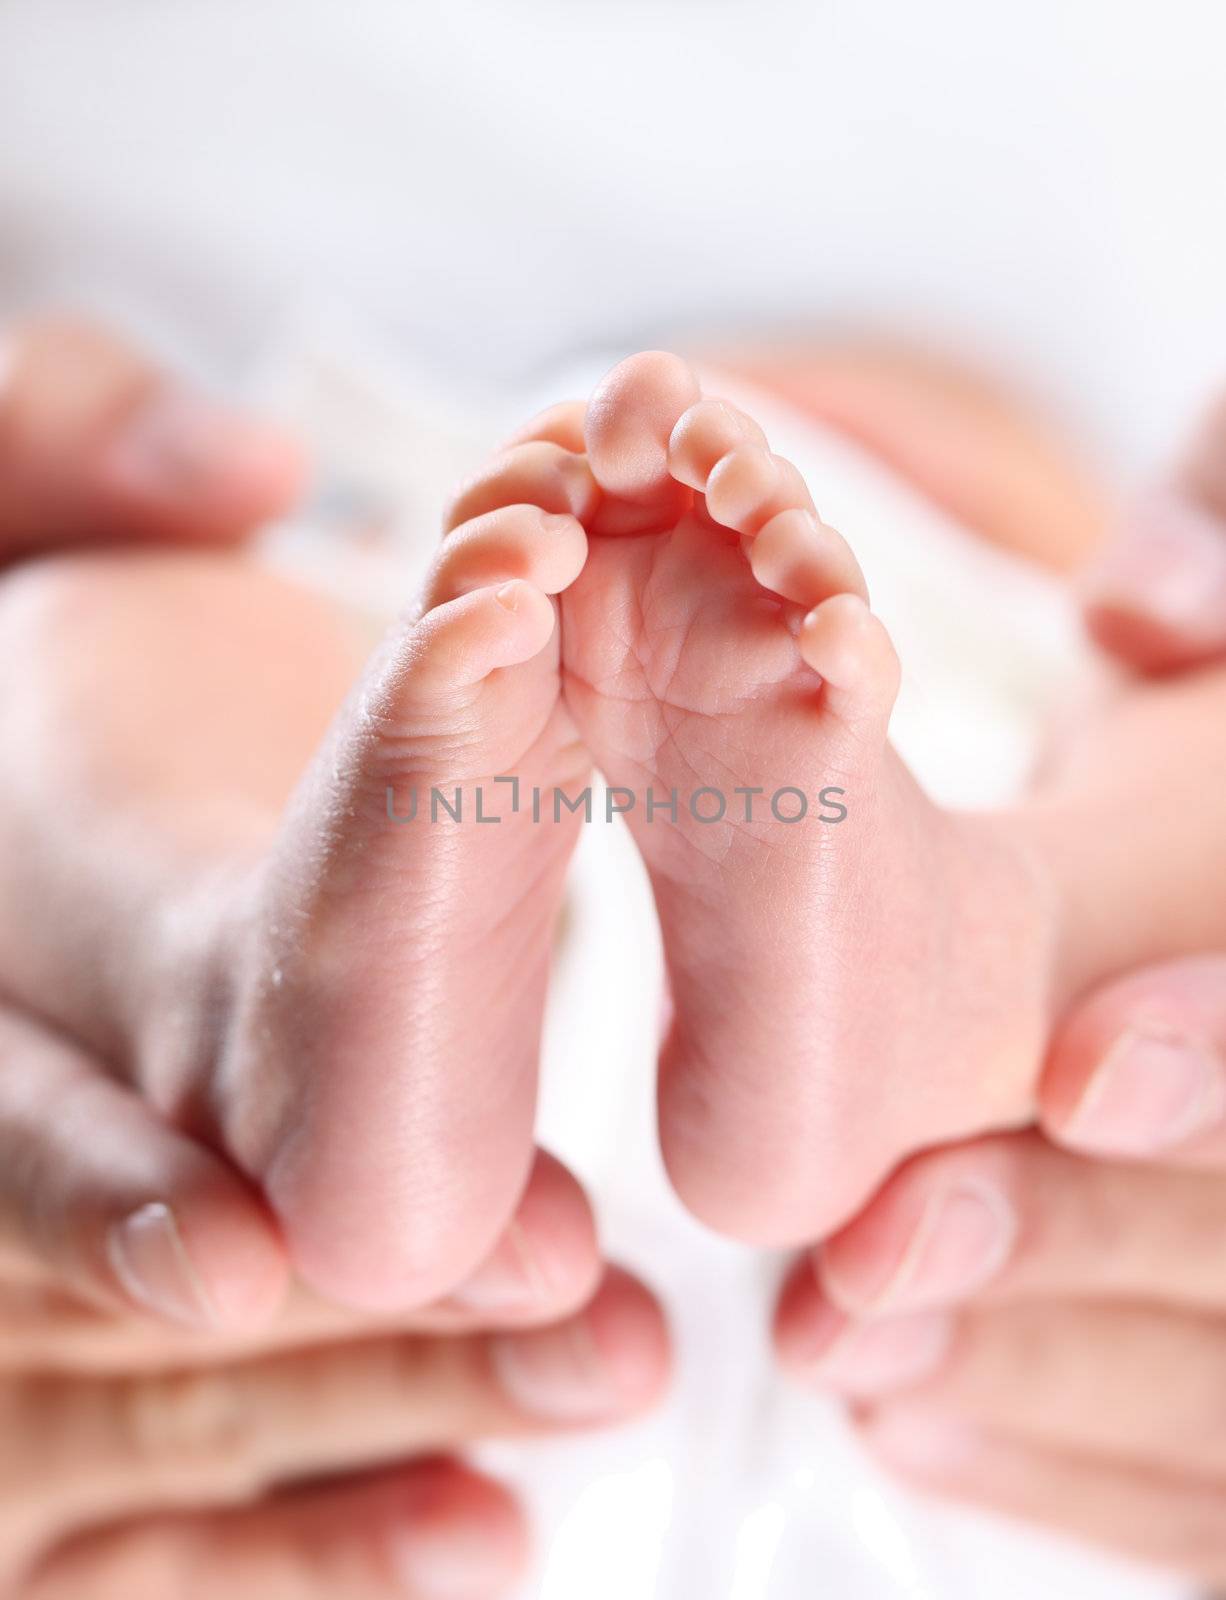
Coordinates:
(853,654)
(561,424)
(704,434)
(460,643)
(749,486)
(630,418)
(547,549)
(802,559)
(537,472)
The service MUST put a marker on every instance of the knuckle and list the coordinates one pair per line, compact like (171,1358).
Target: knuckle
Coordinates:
(189,1423)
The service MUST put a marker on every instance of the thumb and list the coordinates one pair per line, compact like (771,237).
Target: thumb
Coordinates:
(1156,598)
(96,443)
(1138,1070)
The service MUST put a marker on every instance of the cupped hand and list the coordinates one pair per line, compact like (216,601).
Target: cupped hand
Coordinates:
(1042,1330)
(156,1455)
(99,445)
(1036,1322)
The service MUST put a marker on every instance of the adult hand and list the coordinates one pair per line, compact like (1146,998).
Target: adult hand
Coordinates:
(99,446)
(1156,597)
(1038,1333)
(1036,1322)
(145,1458)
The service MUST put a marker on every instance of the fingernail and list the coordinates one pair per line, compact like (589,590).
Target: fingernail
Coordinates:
(437,1559)
(559,1373)
(921,1441)
(874,1357)
(170,442)
(177,443)
(1168,563)
(963,1238)
(151,1262)
(513,1278)
(1151,1091)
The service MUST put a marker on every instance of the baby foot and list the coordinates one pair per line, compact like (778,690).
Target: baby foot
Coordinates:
(343,996)
(854,972)
(378,1066)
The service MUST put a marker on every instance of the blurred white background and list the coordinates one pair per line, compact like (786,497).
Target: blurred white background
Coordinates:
(494,185)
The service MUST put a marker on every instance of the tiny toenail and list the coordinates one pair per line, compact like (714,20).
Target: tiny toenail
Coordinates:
(1152,1090)
(557,521)
(508,596)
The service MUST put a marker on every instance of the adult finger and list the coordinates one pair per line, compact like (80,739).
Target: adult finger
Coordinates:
(1156,598)
(1138,1070)
(101,1198)
(430,1531)
(1012,1216)
(546,1266)
(98,444)
(85,1451)
(1170,1519)
(1138,1384)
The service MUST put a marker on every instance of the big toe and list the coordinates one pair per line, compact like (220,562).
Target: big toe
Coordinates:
(630,418)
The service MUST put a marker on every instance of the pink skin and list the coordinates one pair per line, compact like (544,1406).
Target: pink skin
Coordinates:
(101,1200)
(718,636)
(384,982)
(1156,597)
(305,1469)
(432,1530)
(233,967)
(710,597)
(98,446)
(299,987)
(1024,1328)
(130,1250)
(998,1310)
(1003,1220)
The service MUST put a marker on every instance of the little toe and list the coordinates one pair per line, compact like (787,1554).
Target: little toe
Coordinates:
(853,654)
(537,472)
(802,559)
(704,434)
(630,419)
(750,485)
(561,424)
(547,549)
